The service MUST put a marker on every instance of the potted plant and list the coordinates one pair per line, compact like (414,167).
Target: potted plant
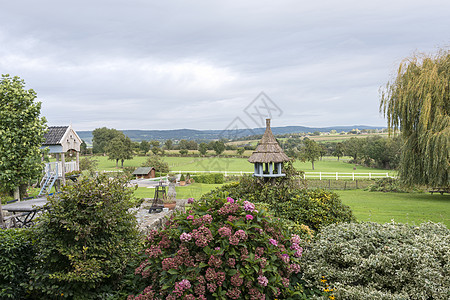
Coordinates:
(182,180)
(170,203)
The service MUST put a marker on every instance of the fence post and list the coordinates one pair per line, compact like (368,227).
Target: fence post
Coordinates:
(320,175)
(370,175)
(387,174)
(353,176)
(337,177)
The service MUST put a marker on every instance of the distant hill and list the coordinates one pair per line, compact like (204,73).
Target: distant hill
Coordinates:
(190,134)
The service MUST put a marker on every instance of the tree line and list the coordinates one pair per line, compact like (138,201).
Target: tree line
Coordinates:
(373,151)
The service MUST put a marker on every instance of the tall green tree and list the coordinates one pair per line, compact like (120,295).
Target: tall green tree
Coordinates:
(338,150)
(168,144)
(144,146)
(219,147)
(203,148)
(310,151)
(417,102)
(120,148)
(354,147)
(101,138)
(155,147)
(21,134)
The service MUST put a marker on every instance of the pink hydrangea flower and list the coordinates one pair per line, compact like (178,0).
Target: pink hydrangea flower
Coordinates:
(262,280)
(185,237)
(224,231)
(190,217)
(249,217)
(273,242)
(248,206)
(190,200)
(295,239)
(229,199)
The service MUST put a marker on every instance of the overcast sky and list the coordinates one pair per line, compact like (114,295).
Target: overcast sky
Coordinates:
(200,64)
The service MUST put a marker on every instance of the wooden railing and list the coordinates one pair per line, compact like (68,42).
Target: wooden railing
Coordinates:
(56,167)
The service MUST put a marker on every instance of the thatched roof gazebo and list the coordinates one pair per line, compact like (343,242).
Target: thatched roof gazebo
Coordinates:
(268,156)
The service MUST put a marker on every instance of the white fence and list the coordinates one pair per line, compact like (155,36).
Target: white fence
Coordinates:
(337,175)
(307,175)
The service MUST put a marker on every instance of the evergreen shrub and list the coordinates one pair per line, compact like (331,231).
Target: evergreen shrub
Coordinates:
(213,178)
(84,239)
(222,249)
(374,261)
(16,255)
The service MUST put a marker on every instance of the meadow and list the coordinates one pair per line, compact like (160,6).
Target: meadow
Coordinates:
(236,164)
(379,207)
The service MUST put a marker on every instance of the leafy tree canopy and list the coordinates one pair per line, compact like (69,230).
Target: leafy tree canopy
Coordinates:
(101,137)
(120,148)
(310,152)
(417,102)
(21,133)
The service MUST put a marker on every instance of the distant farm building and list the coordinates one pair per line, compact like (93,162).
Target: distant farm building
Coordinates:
(144,173)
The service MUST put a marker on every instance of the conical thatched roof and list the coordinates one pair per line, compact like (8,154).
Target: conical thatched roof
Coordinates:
(268,149)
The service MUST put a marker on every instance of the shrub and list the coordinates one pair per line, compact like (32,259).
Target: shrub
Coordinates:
(215,178)
(158,163)
(222,249)
(390,185)
(314,208)
(16,255)
(88,163)
(84,239)
(218,178)
(389,261)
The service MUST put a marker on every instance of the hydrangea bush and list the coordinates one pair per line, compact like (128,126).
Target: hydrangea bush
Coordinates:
(314,208)
(221,248)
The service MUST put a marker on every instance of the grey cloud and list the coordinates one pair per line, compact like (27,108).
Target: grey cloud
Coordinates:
(197,64)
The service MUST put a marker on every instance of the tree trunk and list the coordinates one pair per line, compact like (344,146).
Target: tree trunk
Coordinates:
(312,162)
(2,224)
(122,163)
(17,193)
(117,163)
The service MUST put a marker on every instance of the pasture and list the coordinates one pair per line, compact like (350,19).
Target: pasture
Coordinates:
(177,163)
(412,208)
(378,207)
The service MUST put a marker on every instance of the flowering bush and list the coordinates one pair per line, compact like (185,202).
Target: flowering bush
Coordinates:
(314,208)
(388,261)
(222,248)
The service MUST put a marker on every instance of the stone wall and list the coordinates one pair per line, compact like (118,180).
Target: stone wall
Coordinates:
(148,221)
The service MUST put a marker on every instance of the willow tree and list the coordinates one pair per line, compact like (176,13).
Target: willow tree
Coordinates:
(417,102)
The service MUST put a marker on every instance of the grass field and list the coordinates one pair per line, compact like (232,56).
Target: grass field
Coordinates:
(413,208)
(328,164)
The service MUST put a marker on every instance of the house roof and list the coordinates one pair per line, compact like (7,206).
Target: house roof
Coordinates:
(54,135)
(268,149)
(142,170)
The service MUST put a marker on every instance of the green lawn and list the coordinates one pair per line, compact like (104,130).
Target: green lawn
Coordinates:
(413,208)
(194,190)
(328,164)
